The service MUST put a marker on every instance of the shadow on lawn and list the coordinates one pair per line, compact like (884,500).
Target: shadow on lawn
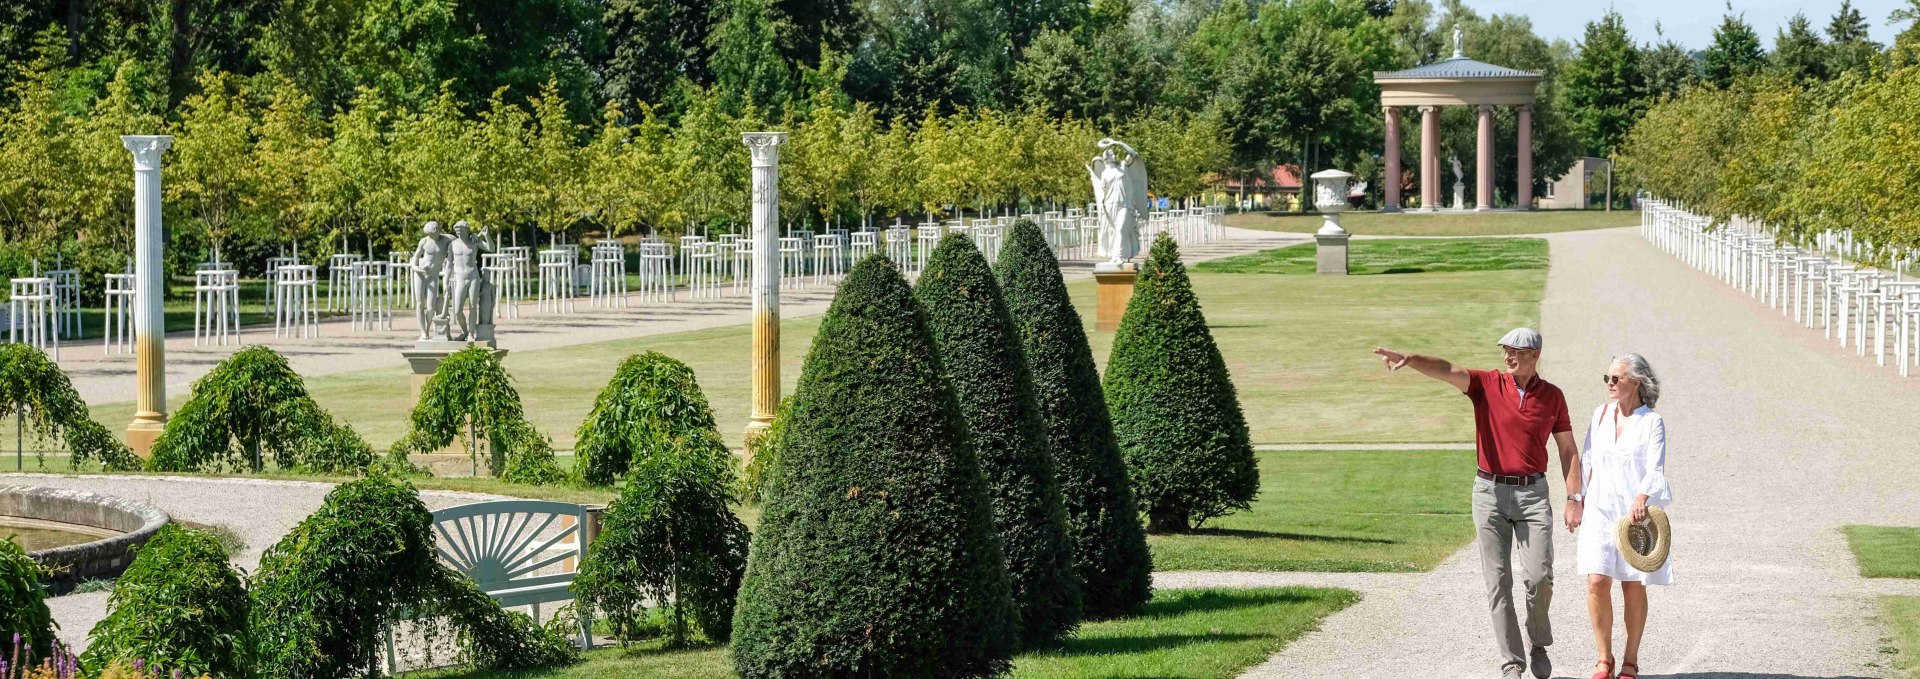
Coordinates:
(1143,643)
(1177,602)
(1304,537)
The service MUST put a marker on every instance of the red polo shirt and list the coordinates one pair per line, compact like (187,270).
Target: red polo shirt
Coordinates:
(1509,430)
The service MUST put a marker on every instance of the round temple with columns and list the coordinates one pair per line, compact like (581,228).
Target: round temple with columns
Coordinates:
(1457,81)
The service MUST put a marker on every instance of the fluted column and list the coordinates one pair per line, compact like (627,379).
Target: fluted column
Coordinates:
(1483,186)
(765,147)
(1430,158)
(149,292)
(1523,157)
(1392,178)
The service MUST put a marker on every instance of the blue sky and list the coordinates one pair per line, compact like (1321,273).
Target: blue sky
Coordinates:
(1689,22)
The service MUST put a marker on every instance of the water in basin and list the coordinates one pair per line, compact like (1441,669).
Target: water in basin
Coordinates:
(34,534)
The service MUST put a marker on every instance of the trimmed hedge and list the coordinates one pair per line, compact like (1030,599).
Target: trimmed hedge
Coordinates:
(23,603)
(670,544)
(876,554)
(54,409)
(471,387)
(250,403)
(988,370)
(1175,412)
(650,406)
(1110,550)
(179,606)
(326,593)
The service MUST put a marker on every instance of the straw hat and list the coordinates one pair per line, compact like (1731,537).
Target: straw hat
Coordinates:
(1644,545)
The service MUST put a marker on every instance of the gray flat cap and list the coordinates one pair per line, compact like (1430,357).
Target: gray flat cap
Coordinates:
(1521,338)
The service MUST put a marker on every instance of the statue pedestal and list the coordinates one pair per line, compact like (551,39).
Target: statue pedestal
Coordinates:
(1115,285)
(423,359)
(1330,255)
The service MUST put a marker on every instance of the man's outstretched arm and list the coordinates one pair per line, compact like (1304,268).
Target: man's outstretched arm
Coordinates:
(1436,368)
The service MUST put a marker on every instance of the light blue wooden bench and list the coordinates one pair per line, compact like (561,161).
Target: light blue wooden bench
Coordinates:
(520,552)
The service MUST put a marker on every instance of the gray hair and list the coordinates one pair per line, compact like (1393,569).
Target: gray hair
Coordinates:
(1638,370)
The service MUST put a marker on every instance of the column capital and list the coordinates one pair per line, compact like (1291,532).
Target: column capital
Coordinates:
(1523,107)
(147,149)
(1484,108)
(765,146)
(1429,108)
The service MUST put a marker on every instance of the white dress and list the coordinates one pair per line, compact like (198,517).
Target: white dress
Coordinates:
(1616,469)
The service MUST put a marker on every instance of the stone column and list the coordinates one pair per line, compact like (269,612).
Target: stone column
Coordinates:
(149,286)
(1393,172)
(765,147)
(1483,186)
(1430,158)
(1523,157)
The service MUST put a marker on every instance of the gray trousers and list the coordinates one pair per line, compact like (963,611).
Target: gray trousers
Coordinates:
(1510,521)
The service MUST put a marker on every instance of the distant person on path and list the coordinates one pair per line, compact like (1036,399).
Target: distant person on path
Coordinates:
(1624,470)
(1514,412)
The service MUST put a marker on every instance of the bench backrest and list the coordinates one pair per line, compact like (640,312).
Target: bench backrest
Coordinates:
(507,544)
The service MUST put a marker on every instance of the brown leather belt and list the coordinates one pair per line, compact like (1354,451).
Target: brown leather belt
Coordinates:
(1510,480)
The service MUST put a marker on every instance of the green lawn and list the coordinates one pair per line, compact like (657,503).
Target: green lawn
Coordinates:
(1442,224)
(1345,511)
(1903,622)
(1183,634)
(1396,256)
(1298,348)
(1886,551)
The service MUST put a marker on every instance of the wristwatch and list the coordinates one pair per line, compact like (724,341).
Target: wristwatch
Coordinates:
(1577,497)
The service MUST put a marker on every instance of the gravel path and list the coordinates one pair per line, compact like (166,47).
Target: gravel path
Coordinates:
(1778,438)
(108,378)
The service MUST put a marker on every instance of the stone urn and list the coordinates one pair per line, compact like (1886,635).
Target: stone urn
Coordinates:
(1330,197)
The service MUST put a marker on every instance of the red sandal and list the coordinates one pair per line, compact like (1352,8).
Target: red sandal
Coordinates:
(1606,674)
(1624,674)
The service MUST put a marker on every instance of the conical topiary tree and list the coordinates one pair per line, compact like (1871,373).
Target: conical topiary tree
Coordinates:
(988,370)
(472,389)
(32,384)
(180,606)
(876,554)
(1110,550)
(651,405)
(251,405)
(1175,412)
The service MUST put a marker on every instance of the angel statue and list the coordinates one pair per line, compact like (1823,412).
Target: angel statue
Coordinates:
(1120,190)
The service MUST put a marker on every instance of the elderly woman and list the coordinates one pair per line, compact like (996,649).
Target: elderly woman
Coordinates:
(1625,471)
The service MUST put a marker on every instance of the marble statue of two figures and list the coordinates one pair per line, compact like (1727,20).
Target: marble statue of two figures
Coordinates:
(450,287)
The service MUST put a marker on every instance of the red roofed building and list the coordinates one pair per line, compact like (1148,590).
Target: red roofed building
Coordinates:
(1279,189)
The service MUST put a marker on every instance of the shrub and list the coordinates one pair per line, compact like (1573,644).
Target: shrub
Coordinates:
(179,606)
(763,452)
(30,381)
(670,541)
(23,603)
(876,553)
(471,389)
(327,591)
(988,370)
(652,404)
(1174,409)
(1110,550)
(251,404)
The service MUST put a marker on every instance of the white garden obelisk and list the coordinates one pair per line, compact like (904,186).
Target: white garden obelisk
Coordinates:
(149,285)
(765,147)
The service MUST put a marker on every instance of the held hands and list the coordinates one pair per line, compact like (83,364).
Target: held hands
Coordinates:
(1573,515)
(1394,360)
(1639,508)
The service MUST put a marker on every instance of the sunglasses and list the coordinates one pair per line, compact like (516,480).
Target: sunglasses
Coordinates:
(1611,380)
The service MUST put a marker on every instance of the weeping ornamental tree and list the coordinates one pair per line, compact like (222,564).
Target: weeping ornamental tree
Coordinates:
(876,553)
(988,370)
(1175,412)
(1110,551)
(670,543)
(652,405)
(469,397)
(33,388)
(179,606)
(251,405)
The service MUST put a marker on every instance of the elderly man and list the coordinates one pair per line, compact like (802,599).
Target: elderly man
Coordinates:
(1514,412)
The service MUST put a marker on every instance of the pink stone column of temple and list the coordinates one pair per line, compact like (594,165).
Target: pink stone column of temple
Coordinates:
(1524,157)
(1483,185)
(1429,158)
(1392,175)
